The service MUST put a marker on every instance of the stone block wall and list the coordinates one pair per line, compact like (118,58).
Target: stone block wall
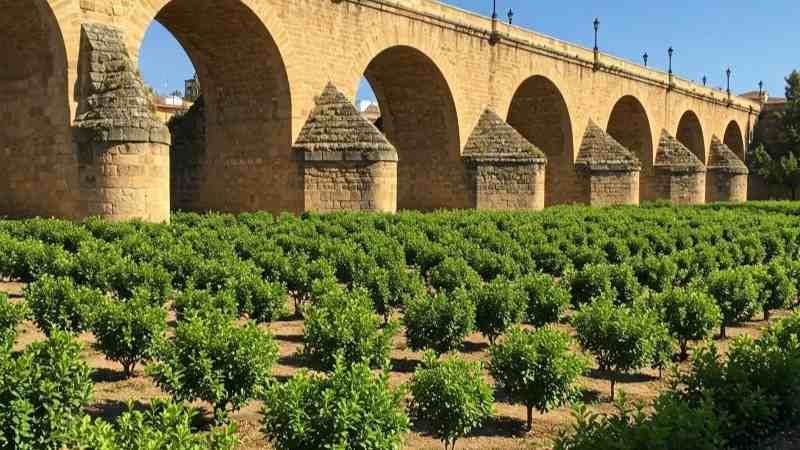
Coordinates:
(332,186)
(507,185)
(609,187)
(124,181)
(681,187)
(724,186)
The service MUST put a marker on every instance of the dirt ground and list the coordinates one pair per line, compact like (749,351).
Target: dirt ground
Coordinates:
(505,431)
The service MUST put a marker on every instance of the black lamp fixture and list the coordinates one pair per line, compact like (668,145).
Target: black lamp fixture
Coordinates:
(510,16)
(596,29)
(494,9)
(670,52)
(760,89)
(645,57)
(728,75)
(705,80)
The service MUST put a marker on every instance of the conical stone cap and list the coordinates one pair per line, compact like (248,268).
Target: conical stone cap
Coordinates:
(600,151)
(115,104)
(723,159)
(336,131)
(494,139)
(675,156)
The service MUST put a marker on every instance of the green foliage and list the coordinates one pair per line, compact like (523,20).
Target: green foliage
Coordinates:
(200,301)
(129,278)
(672,425)
(261,300)
(453,273)
(126,331)
(536,368)
(655,272)
(58,303)
(690,314)
(499,305)
(163,425)
(39,390)
(777,289)
(450,397)
(11,315)
(439,322)
(349,409)
(736,293)
(343,323)
(547,299)
(211,359)
(589,283)
(621,338)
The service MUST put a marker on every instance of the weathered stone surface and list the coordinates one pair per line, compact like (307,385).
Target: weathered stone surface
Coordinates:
(124,149)
(505,171)
(347,163)
(188,156)
(607,172)
(727,175)
(680,176)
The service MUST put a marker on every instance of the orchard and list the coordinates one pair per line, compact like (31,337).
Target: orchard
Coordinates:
(453,329)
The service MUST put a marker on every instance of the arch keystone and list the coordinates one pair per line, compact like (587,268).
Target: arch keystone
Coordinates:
(347,163)
(727,174)
(680,176)
(607,171)
(505,170)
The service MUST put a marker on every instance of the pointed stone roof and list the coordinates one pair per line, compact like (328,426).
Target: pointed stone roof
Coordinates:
(335,130)
(493,138)
(722,158)
(114,102)
(600,151)
(672,154)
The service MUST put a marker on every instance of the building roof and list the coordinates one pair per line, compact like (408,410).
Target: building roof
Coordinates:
(335,125)
(676,156)
(600,151)
(722,158)
(494,138)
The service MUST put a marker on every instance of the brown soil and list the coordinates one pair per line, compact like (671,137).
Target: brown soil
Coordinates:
(505,431)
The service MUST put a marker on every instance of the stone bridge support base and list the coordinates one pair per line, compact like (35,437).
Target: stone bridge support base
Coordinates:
(510,184)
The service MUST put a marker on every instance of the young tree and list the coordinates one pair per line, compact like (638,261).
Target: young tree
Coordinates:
(126,330)
(451,397)
(350,408)
(690,314)
(499,305)
(536,368)
(453,273)
(777,289)
(343,321)
(439,322)
(547,299)
(11,315)
(620,337)
(211,359)
(57,303)
(736,293)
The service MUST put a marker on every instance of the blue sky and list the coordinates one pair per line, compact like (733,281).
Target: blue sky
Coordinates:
(756,41)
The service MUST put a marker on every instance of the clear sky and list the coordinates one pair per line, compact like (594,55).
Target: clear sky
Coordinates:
(759,40)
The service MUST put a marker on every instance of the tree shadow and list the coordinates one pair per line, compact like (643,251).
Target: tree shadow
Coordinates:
(589,396)
(293,360)
(474,347)
(293,338)
(501,426)
(110,410)
(404,365)
(621,377)
(106,375)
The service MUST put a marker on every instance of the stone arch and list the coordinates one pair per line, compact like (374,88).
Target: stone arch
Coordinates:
(418,116)
(734,139)
(245,164)
(38,170)
(629,124)
(539,112)
(690,133)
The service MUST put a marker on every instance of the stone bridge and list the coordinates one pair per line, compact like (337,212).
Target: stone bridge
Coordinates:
(456,90)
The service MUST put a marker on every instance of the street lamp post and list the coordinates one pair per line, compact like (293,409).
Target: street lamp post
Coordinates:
(645,57)
(670,52)
(760,90)
(596,24)
(728,89)
(510,16)
(705,80)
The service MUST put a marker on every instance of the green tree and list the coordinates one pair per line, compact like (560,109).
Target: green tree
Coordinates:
(450,396)
(536,368)
(439,322)
(779,163)
(351,408)
(690,314)
(499,305)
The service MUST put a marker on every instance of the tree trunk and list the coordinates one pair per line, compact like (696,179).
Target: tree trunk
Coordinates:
(722,334)
(684,352)
(766,315)
(530,417)
(613,384)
